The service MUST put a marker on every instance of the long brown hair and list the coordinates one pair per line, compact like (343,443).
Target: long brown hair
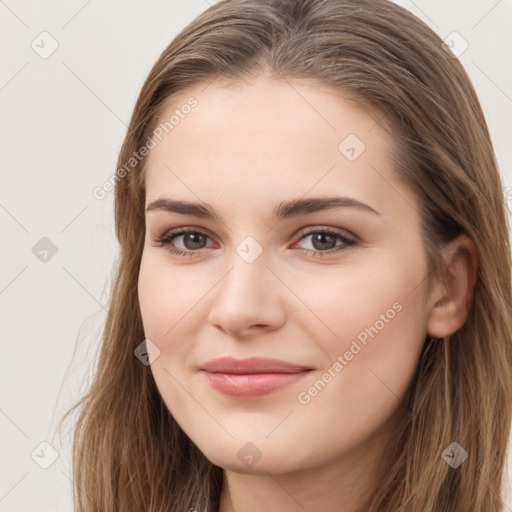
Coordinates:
(129,454)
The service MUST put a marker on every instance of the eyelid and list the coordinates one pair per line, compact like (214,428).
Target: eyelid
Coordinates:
(305,230)
(163,233)
(171,234)
(319,227)
(348,239)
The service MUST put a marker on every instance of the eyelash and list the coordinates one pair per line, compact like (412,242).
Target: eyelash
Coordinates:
(165,240)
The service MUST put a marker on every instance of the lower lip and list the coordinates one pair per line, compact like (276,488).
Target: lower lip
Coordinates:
(252,385)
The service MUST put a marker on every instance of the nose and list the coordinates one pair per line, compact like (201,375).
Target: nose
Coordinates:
(248,300)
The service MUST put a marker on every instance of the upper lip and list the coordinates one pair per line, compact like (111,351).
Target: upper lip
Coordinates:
(251,365)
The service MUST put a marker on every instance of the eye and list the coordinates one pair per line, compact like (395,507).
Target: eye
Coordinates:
(192,239)
(323,241)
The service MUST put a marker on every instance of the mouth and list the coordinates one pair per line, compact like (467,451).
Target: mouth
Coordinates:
(253,377)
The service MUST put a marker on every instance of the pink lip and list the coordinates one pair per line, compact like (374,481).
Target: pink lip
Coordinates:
(251,377)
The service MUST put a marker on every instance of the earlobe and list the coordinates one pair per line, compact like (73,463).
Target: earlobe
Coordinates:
(452,295)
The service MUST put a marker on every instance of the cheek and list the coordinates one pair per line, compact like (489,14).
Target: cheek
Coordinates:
(380,324)
(164,303)
(173,309)
(359,302)
(367,384)
(168,299)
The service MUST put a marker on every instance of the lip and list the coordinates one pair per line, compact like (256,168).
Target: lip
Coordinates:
(252,377)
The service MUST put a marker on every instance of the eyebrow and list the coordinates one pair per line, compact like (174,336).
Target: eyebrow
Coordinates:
(284,210)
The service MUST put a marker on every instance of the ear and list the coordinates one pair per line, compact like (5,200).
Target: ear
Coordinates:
(452,295)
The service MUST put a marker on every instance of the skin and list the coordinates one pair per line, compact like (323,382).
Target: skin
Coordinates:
(243,149)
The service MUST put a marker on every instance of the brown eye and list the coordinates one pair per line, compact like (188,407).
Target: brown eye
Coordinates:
(192,241)
(323,242)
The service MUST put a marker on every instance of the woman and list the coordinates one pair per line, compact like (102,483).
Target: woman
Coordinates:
(312,306)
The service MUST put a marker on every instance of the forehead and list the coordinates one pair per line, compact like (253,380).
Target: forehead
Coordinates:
(264,138)
(265,108)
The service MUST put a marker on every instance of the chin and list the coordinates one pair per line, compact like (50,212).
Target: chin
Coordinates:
(262,466)
(259,457)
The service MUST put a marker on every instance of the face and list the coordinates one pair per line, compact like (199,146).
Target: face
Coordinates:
(288,328)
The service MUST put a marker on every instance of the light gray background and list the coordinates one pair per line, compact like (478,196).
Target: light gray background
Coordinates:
(63,121)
